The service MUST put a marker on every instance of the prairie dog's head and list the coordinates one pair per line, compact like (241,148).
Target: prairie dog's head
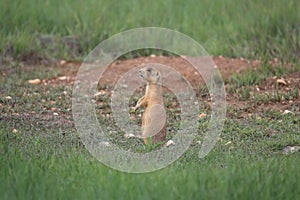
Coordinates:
(150,74)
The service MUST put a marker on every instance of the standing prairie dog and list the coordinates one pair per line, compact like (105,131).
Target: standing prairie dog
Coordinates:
(154,117)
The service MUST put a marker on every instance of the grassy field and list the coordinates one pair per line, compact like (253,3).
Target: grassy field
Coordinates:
(41,156)
(68,29)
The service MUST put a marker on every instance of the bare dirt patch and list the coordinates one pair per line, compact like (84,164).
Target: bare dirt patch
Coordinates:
(268,89)
(226,66)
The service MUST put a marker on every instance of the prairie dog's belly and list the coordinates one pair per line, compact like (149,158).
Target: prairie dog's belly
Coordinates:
(154,120)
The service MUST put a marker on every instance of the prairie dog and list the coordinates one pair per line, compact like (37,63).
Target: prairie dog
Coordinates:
(154,117)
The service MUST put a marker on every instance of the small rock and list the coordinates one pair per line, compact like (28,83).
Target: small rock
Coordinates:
(291,149)
(129,135)
(199,142)
(55,114)
(15,130)
(169,143)
(62,78)
(62,62)
(202,115)
(152,55)
(281,81)
(287,112)
(287,89)
(34,81)
(8,97)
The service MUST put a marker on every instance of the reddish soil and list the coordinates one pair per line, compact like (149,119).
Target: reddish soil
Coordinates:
(226,66)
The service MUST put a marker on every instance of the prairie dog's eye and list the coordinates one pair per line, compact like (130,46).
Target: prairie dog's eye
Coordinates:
(149,69)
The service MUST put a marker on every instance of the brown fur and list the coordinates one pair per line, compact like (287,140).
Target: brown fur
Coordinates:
(154,117)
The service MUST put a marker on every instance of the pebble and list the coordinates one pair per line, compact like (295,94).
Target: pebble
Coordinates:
(202,115)
(287,112)
(291,149)
(62,62)
(62,78)
(169,143)
(129,135)
(281,81)
(34,81)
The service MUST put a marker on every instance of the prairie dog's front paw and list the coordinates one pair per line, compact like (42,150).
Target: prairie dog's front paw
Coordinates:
(135,108)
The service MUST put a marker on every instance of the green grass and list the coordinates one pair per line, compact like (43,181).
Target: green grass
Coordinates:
(70,29)
(76,177)
(44,158)
(38,166)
